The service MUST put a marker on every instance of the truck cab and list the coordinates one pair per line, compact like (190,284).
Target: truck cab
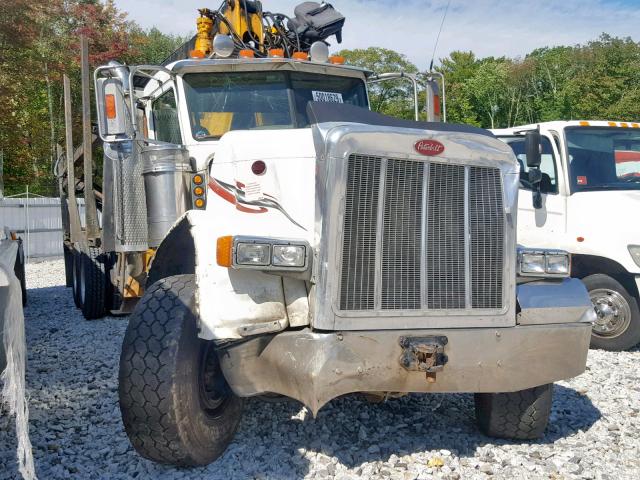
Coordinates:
(590,192)
(273,236)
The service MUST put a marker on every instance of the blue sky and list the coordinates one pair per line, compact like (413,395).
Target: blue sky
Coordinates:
(488,27)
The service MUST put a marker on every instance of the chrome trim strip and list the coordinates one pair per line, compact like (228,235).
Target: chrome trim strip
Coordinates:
(423,233)
(467,243)
(377,290)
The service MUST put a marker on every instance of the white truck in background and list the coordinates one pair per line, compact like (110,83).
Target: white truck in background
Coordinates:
(590,195)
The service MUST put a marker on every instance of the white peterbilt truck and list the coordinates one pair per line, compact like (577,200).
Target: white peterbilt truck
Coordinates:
(286,240)
(589,195)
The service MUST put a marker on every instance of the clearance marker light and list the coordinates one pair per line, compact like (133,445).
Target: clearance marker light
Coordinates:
(196,54)
(584,124)
(224,251)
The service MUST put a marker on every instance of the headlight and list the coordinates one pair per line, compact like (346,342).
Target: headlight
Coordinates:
(264,253)
(288,256)
(543,263)
(634,250)
(532,263)
(253,254)
(557,264)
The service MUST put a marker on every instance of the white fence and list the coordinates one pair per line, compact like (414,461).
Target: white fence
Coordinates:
(38,222)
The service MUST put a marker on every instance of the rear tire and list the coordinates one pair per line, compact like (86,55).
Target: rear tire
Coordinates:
(176,405)
(77,278)
(521,415)
(93,287)
(68,266)
(617,327)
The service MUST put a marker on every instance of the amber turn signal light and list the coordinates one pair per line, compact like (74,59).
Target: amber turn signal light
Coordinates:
(110,105)
(224,251)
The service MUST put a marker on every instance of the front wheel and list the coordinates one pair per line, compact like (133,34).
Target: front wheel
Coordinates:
(617,324)
(521,415)
(176,405)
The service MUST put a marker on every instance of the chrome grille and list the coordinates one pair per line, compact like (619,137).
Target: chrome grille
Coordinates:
(421,236)
(486,227)
(361,223)
(402,235)
(445,237)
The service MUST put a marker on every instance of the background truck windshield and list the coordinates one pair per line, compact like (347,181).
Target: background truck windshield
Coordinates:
(220,102)
(603,158)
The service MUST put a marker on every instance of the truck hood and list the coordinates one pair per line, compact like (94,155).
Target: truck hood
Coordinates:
(277,202)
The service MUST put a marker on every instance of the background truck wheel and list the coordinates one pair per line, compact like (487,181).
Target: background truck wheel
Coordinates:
(617,326)
(92,283)
(176,405)
(19,270)
(77,278)
(521,415)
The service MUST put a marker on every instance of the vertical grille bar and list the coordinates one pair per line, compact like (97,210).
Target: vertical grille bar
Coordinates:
(486,224)
(357,291)
(445,237)
(402,235)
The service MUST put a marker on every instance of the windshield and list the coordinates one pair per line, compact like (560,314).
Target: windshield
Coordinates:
(220,102)
(603,158)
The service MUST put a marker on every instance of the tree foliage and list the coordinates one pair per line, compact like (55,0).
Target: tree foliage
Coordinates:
(393,97)
(39,42)
(598,80)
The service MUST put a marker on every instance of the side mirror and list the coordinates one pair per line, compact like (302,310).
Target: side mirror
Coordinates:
(532,148)
(532,141)
(112,110)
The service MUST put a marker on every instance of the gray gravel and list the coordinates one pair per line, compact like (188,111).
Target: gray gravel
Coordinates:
(76,429)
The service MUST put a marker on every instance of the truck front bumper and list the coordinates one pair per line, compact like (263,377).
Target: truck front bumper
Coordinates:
(315,367)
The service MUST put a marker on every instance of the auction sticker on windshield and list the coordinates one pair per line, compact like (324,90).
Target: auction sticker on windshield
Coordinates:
(330,97)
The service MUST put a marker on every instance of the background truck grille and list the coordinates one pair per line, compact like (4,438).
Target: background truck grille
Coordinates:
(421,236)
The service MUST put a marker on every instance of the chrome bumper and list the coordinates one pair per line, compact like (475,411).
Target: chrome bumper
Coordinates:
(317,367)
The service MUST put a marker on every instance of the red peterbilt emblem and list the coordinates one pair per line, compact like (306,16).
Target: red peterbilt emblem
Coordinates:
(429,147)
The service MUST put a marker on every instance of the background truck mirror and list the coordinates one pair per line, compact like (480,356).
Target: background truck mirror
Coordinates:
(532,148)
(112,109)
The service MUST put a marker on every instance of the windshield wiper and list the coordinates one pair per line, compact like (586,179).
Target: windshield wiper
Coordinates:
(631,179)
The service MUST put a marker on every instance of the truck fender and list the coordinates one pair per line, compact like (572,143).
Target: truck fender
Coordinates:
(176,255)
(232,304)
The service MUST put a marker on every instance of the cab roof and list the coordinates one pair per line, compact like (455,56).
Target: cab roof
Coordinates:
(257,64)
(560,124)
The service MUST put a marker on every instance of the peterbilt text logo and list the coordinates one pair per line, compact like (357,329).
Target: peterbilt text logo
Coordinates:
(429,147)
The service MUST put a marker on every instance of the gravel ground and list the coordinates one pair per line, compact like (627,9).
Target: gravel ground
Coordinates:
(76,429)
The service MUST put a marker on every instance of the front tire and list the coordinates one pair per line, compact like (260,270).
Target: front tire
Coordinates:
(521,415)
(617,326)
(176,406)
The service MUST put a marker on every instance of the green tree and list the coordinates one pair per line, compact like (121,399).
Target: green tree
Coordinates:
(391,97)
